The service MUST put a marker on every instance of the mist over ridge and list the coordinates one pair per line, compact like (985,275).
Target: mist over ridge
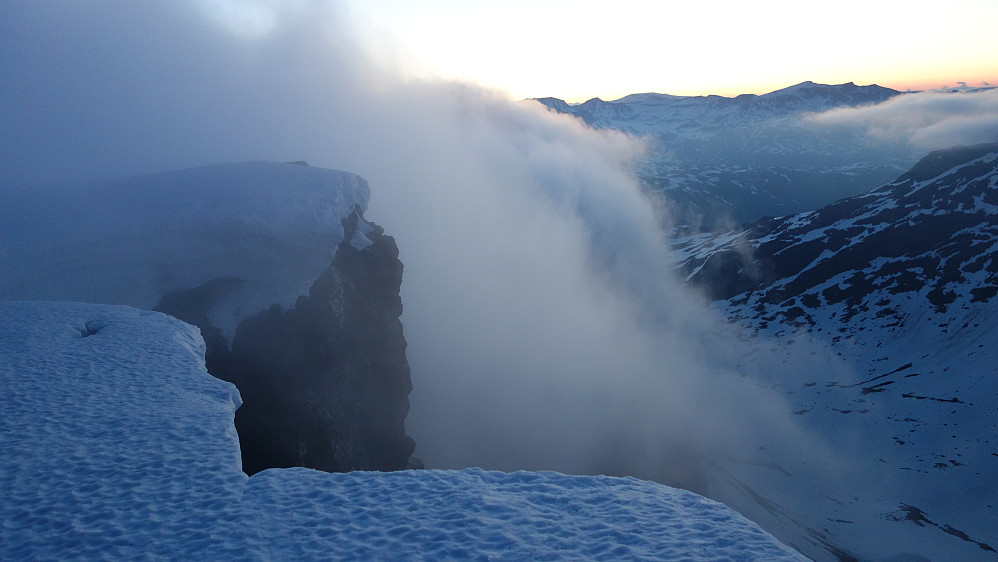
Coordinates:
(542,318)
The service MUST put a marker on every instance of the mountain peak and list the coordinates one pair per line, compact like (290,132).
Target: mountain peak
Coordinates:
(648,97)
(836,94)
(808,87)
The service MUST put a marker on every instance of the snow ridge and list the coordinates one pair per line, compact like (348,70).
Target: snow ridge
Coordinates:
(118,444)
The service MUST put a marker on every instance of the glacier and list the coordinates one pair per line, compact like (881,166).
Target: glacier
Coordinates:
(119,444)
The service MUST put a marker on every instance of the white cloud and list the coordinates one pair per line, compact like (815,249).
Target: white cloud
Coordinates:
(927,120)
(250,18)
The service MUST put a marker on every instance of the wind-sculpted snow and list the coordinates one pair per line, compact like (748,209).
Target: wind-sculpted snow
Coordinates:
(118,444)
(476,514)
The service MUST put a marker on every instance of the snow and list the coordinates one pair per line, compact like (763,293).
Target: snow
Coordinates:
(359,241)
(907,443)
(118,444)
(902,389)
(274,226)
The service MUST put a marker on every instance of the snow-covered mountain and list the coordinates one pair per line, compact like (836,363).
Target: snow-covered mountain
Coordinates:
(117,444)
(693,116)
(297,295)
(881,319)
(715,159)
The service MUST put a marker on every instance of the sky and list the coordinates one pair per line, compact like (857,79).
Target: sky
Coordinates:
(582,49)
(576,50)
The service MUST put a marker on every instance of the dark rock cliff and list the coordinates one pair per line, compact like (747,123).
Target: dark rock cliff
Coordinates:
(325,384)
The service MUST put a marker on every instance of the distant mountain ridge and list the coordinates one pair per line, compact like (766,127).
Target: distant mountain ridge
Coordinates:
(720,160)
(806,96)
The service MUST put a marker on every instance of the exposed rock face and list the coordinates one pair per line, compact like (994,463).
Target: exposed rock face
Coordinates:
(325,384)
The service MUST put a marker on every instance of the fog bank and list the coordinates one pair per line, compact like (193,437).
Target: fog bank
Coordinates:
(928,120)
(545,328)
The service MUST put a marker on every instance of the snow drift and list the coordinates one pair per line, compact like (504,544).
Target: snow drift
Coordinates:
(117,443)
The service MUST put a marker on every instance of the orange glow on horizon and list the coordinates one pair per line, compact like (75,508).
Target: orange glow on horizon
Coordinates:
(579,50)
(901,85)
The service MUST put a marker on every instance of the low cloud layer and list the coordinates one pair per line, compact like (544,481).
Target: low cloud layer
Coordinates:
(545,329)
(926,120)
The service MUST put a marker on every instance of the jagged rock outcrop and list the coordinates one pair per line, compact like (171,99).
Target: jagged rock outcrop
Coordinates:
(325,384)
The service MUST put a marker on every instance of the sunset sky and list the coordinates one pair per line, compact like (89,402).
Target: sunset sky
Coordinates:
(110,87)
(580,49)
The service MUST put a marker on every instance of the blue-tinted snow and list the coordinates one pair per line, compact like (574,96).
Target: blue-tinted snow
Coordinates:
(118,444)
(274,226)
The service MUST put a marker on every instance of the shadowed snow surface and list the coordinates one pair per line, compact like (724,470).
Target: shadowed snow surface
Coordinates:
(116,442)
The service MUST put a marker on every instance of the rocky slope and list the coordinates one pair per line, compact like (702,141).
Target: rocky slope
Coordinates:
(930,232)
(878,315)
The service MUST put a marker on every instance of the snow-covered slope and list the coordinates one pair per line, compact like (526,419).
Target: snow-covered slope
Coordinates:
(881,318)
(118,444)
(715,159)
(130,241)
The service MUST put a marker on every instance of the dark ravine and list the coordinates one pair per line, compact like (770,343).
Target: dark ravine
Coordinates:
(325,384)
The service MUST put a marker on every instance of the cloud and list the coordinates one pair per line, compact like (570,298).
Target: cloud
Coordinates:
(545,328)
(926,120)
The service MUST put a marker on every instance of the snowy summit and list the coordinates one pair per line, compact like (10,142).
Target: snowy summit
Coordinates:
(118,444)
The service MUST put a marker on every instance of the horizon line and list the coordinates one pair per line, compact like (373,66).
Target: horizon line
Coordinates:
(911,87)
